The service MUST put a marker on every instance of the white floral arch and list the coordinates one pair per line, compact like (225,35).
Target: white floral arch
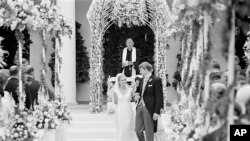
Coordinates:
(103,13)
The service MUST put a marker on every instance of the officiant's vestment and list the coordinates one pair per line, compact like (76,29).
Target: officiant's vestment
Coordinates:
(132,55)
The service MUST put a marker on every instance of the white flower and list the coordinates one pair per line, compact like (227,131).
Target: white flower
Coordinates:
(187,130)
(16,116)
(16,135)
(46,120)
(193,3)
(52,125)
(191,139)
(45,113)
(25,6)
(1,11)
(180,126)
(46,125)
(40,125)
(196,136)
(13,26)
(29,125)
(1,22)
(60,113)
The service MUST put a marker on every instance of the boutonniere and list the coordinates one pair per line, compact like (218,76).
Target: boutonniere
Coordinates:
(150,80)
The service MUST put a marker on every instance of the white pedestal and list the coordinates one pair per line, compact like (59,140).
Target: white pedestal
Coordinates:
(62,131)
(49,135)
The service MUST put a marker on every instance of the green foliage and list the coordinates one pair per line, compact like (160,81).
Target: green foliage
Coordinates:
(82,58)
(10,44)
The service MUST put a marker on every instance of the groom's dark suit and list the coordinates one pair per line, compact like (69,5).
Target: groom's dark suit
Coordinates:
(152,101)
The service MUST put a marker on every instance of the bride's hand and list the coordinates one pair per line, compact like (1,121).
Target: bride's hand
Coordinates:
(136,96)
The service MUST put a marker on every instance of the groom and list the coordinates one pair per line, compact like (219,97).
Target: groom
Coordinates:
(149,104)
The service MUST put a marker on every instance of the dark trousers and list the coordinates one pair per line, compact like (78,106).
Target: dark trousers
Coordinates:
(144,121)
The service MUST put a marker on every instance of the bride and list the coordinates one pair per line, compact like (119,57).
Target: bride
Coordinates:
(125,116)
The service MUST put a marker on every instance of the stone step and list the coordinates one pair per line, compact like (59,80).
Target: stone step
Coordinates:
(92,117)
(92,140)
(92,133)
(92,124)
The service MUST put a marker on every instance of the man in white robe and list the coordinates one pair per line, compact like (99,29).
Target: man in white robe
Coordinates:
(130,59)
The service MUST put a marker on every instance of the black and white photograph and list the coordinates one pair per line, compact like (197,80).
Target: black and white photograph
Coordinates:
(124,70)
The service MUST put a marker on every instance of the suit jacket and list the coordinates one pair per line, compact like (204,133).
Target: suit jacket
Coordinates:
(153,96)
(32,90)
(11,87)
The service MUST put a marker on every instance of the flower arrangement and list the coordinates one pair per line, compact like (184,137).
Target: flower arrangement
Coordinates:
(45,115)
(62,111)
(111,108)
(246,46)
(21,126)
(187,121)
(21,14)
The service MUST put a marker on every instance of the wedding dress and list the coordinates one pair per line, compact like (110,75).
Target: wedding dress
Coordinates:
(125,117)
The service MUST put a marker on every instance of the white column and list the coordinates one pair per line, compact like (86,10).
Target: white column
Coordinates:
(68,66)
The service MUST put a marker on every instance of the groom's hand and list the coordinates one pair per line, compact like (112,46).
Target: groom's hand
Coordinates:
(155,116)
(125,64)
(130,63)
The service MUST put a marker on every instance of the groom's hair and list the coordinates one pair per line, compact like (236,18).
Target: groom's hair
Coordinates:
(146,65)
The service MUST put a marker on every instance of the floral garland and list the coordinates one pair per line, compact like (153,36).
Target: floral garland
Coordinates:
(21,14)
(194,56)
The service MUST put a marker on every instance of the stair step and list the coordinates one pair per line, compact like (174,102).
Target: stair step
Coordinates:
(92,140)
(93,124)
(92,134)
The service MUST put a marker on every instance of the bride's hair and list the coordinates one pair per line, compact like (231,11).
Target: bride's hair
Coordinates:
(118,78)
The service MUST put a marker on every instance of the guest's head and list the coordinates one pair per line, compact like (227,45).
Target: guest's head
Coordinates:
(137,81)
(28,79)
(145,68)
(237,60)
(122,80)
(130,43)
(13,70)
(25,62)
(4,75)
(30,71)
